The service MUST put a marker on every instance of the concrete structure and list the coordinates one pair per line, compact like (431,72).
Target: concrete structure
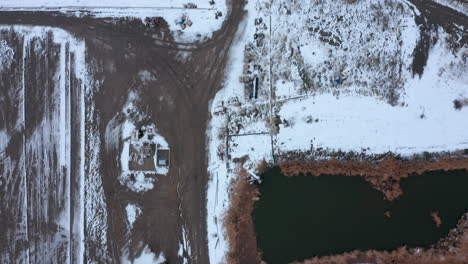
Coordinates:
(163,157)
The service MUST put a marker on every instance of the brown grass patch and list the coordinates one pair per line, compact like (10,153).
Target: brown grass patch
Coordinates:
(435,216)
(262,167)
(384,176)
(238,222)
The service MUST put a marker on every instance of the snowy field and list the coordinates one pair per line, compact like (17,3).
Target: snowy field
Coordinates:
(341,80)
(426,120)
(146,257)
(40,164)
(203,17)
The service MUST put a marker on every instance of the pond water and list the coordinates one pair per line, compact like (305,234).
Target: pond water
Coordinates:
(304,216)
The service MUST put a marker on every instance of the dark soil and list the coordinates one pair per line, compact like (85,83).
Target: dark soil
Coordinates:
(116,51)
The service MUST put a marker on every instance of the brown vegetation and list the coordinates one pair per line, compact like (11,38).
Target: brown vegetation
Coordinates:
(238,222)
(436,218)
(261,167)
(388,214)
(384,176)
(458,104)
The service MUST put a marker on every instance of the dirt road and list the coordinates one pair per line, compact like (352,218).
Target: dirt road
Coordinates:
(187,76)
(433,15)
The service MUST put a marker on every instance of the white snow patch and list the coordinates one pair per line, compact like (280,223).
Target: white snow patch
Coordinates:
(4,139)
(127,129)
(284,88)
(133,211)
(137,181)
(146,76)
(146,257)
(185,250)
(426,122)
(314,52)
(256,147)
(95,204)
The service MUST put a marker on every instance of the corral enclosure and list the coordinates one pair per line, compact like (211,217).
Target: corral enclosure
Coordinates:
(303,216)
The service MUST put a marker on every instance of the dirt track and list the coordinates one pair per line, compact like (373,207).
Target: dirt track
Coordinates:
(117,53)
(434,15)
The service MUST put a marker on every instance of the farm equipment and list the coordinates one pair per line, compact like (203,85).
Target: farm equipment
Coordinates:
(190,5)
(183,22)
(152,21)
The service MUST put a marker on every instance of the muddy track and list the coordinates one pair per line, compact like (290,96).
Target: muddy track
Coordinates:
(176,101)
(434,15)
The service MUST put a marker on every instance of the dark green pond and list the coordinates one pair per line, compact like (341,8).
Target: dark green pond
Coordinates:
(304,216)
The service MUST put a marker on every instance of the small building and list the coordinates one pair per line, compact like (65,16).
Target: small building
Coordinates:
(219,109)
(255,88)
(163,157)
(137,134)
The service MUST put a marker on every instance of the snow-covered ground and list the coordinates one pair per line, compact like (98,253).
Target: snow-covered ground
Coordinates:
(203,17)
(427,120)
(146,257)
(46,152)
(327,41)
(185,250)
(4,140)
(219,167)
(133,211)
(376,106)
(96,206)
